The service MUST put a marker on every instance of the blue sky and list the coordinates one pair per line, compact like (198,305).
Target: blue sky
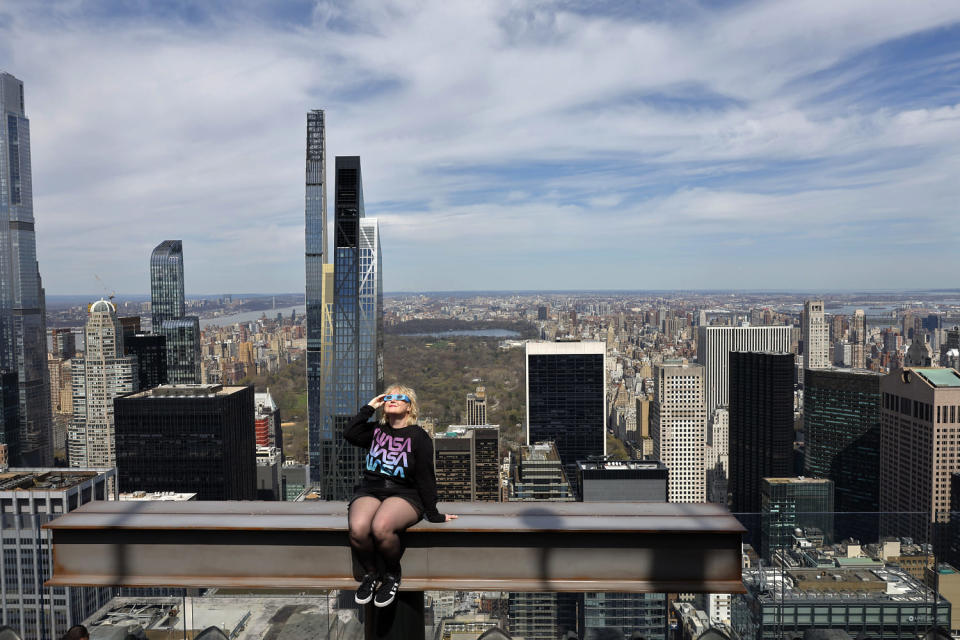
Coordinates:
(505,145)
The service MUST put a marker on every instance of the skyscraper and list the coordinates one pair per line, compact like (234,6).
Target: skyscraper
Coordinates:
(761,424)
(100,376)
(34,611)
(841,425)
(183,349)
(23,333)
(679,427)
(467,463)
(167,307)
(151,354)
(789,503)
(919,432)
(9,414)
(188,439)
(816,339)
(714,345)
(858,340)
(356,366)
(315,219)
(566,391)
(477,406)
(166,283)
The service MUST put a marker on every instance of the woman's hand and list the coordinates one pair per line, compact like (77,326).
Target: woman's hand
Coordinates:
(377,402)
(451,517)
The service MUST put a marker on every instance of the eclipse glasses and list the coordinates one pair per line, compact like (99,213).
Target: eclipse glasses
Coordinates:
(396,396)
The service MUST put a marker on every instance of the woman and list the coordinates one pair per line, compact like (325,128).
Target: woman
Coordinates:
(398,488)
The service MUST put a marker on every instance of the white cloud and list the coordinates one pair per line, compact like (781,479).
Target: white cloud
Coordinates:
(535,133)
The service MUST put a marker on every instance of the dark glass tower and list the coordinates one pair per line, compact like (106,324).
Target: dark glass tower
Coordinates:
(183,350)
(151,354)
(761,424)
(23,332)
(316,244)
(566,400)
(188,439)
(167,307)
(166,283)
(841,418)
(10,414)
(356,364)
(789,503)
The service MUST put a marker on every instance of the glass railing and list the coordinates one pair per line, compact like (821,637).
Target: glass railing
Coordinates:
(856,575)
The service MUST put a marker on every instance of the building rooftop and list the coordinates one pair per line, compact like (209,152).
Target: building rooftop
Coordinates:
(43,479)
(287,616)
(157,496)
(797,480)
(618,465)
(835,583)
(938,377)
(187,391)
(541,452)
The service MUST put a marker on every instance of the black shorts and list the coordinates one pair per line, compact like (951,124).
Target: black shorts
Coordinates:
(387,489)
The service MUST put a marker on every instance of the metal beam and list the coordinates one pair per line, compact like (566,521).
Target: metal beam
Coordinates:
(624,547)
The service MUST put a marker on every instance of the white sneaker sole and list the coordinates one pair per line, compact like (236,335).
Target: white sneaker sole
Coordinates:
(385,604)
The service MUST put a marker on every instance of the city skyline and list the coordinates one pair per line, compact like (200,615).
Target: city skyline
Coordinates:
(758,146)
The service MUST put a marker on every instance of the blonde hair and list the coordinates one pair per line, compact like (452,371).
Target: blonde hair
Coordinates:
(414,410)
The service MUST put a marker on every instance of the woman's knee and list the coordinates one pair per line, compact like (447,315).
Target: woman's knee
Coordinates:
(383,529)
(360,535)
(360,530)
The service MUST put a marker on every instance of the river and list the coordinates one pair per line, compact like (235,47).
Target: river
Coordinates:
(251,316)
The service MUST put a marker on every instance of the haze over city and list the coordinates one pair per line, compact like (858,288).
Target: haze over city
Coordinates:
(546,145)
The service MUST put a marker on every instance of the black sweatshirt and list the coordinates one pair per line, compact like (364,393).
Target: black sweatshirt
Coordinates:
(403,456)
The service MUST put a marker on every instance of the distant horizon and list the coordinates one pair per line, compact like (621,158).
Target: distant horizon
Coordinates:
(612,291)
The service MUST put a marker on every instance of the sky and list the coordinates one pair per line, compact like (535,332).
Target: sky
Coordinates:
(504,145)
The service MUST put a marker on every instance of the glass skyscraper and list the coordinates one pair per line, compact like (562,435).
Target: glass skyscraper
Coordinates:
(566,391)
(761,423)
(166,283)
(167,308)
(841,423)
(316,249)
(23,347)
(356,364)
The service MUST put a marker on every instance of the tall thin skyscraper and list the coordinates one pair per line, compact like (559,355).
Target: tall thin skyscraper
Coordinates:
(679,427)
(816,339)
(858,340)
(714,345)
(166,283)
(167,308)
(317,276)
(100,376)
(23,332)
(761,424)
(356,366)
(566,391)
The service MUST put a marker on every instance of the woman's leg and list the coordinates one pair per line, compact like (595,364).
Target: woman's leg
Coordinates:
(360,519)
(393,517)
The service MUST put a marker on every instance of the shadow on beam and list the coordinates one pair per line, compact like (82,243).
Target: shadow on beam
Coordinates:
(622,547)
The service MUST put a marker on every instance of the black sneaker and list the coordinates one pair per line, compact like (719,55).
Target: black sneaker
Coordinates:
(387,591)
(365,591)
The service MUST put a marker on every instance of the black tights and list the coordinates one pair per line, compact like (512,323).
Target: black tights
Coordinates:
(375,529)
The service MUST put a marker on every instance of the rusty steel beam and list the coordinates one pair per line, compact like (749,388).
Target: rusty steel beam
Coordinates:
(625,547)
